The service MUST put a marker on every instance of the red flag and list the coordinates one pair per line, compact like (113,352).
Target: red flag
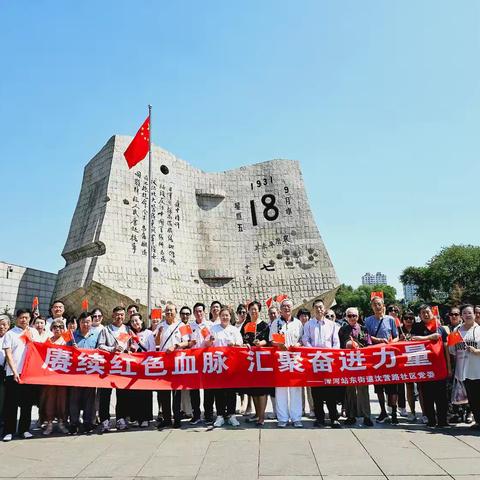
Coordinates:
(67,336)
(278,338)
(138,148)
(251,327)
(26,336)
(281,298)
(185,330)
(156,313)
(85,304)
(454,338)
(35,303)
(134,337)
(123,337)
(432,325)
(269,302)
(435,311)
(376,294)
(397,322)
(205,332)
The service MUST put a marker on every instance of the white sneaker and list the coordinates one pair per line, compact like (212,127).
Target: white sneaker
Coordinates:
(424,420)
(219,421)
(403,412)
(298,424)
(144,424)
(8,437)
(48,429)
(121,424)
(282,424)
(27,435)
(233,421)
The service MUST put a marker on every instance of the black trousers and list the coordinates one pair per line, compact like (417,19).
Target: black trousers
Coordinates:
(164,398)
(329,395)
(121,407)
(139,405)
(435,398)
(402,399)
(82,399)
(208,400)
(17,395)
(473,394)
(225,401)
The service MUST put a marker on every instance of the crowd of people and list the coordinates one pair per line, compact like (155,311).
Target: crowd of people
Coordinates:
(72,410)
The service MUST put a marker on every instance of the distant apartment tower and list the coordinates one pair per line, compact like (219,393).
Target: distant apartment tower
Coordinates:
(378,278)
(410,292)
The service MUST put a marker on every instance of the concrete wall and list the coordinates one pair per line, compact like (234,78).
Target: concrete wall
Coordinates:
(19,285)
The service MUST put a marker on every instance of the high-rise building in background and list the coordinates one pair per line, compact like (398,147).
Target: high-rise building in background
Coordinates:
(410,292)
(378,278)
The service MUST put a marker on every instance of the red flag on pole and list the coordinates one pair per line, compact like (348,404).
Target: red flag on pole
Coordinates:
(269,302)
(67,336)
(138,148)
(376,294)
(85,304)
(435,311)
(156,313)
(35,303)
(281,298)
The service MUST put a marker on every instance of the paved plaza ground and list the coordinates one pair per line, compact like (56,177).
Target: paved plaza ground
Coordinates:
(404,452)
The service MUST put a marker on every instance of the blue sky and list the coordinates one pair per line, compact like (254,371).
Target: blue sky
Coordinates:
(379,100)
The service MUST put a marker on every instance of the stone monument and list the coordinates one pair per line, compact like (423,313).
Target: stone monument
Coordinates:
(230,236)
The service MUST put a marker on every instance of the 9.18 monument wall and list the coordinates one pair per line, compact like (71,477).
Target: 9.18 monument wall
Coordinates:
(230,236)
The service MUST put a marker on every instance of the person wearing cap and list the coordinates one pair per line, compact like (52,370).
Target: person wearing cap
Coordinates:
(53,398)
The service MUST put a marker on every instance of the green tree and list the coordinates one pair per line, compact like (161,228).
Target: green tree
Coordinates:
(452,276)
(347,296)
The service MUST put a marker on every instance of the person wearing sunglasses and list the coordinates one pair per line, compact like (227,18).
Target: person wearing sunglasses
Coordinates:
(97,319)
(53,398)
(357,400)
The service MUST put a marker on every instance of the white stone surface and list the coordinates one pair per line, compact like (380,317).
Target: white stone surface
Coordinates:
(207,244)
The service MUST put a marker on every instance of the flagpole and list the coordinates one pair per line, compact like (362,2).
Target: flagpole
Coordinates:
(149,230)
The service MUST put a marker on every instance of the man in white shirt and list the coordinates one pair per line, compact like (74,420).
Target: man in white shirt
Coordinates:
(322,332)
(170,339)
(201,329)
(17,395)
(288,400)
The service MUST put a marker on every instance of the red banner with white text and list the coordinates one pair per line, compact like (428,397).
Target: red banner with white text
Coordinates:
(234,367)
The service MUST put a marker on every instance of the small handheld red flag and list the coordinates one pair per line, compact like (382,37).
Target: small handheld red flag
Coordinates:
(376,294)
(185,330)
(35,303)
(138,148)
(67,336)
(205,332)
(85,304)
(435,311)
(278,338)
(269,302)
(432,325)
(123,337)
(454,338)
(397,322)
(156,314)
(281,298)
(26,336)
(250,327)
